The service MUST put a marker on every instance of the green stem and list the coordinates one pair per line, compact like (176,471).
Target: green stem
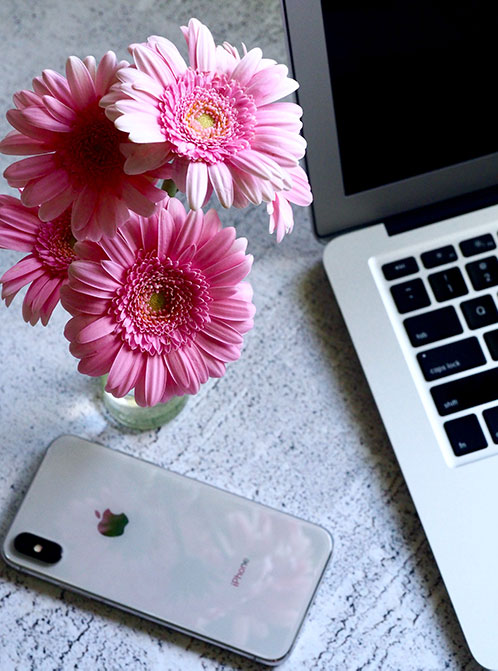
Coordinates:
(170,187)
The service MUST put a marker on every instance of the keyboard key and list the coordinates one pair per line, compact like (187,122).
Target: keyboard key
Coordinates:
(397,269)
(483,243)
(438,257)
(452,358)
(484,273)
(467,392)
(491,339)
(480,311)
(448,284)
(491,418)
(432,326)
(410,296)
(465,435)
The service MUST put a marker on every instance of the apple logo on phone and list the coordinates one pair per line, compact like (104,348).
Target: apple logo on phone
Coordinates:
(111,524)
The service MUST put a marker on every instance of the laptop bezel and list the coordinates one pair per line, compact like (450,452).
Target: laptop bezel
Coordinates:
(333,211)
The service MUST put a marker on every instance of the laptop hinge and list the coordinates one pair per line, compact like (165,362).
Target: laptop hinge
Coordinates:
(400,223)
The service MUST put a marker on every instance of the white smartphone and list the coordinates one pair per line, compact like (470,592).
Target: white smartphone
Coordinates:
(174,550)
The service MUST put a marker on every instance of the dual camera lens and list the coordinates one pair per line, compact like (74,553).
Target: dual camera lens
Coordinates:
(38,548)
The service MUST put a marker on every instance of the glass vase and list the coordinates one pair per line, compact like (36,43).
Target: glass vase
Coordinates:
(127,412)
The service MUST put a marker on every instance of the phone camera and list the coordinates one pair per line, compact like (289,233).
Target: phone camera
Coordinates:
(37,547)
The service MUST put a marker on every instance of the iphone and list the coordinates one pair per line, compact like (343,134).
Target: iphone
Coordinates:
(182,553)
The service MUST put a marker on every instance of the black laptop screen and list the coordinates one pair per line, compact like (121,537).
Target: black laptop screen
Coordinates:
(413,86)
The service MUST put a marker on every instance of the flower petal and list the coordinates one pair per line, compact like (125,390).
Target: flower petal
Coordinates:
(80,83)
(197,183)
(221,179)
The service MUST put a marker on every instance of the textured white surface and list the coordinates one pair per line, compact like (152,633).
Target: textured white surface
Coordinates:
(292,424)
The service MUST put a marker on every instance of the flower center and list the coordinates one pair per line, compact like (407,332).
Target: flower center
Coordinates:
(207,117)
(54,245)
(205,120)
(90,152)
(161,305)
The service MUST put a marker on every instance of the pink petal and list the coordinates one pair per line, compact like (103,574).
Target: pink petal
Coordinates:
(247,66)
(16,144)
(73,299)
(225,333)
(58,86)
(25,271)
(30,168)
(197,182)
(39,293)
(169,53)
(231,275)
(232,309)
(118,250)
(59,111)
(111,212)
(83,208)
(216,349)
(221,179)
(271,84)
(205,49)
(216,247)
(136,201)
(80,82)
(281,216)
(250,186)
(124,372)
(141,127)
(21,124)
(150,63)
(179,371)
(281,144)
(143,158)
(100,361)
(44,188)
(38,117)
(300,193)
(201,47)
(54,207)
(155,379)
(106,73)
(210,226)
(138,85)
(96,329)
(90,274)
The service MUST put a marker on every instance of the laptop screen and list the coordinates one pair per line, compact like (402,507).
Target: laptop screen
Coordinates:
(398,101)
(414,87)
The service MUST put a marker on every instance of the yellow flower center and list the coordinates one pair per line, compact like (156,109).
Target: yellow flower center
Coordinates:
(157,301)
(205,120)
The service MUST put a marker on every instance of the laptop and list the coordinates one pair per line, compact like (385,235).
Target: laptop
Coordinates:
(402,130)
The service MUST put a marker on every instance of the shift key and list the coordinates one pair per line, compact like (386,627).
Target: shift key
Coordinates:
(432,326)
(467,392)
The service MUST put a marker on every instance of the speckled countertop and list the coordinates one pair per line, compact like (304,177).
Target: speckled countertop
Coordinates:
(292,424)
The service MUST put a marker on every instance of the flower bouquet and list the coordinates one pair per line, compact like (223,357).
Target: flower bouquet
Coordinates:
(157,294)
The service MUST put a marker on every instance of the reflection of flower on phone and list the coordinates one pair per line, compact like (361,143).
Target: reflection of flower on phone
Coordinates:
(178,554)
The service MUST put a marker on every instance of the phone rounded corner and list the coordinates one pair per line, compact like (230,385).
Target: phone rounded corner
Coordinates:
(328,539)
(277,658)
(6,555)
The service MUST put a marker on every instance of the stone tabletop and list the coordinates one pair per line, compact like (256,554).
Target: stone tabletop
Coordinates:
(292,424)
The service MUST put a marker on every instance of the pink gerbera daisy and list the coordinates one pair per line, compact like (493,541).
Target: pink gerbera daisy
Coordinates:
(78,154)
(213,125)
(51,251)
(161,306)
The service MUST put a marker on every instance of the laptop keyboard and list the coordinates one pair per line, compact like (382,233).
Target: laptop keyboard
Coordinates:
(444,303)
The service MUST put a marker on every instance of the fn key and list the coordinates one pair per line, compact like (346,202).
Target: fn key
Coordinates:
(465,435)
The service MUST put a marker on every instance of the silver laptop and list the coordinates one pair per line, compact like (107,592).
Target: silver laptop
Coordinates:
(402,130)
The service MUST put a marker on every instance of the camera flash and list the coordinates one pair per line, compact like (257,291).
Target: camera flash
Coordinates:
(38,547)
